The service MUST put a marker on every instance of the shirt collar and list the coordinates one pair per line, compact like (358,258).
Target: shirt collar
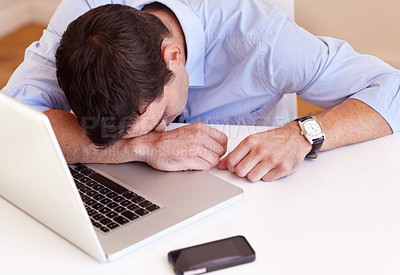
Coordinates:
(194,36)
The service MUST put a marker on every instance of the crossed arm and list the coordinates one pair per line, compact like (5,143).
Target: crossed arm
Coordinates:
(267,156)
(193,147)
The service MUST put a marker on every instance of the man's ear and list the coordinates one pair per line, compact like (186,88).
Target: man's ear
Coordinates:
(172,54)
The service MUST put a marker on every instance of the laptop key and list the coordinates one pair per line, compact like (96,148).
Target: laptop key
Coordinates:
(138,199)
(98,197)
(79,176)
(112,225)
(104,210)
(108,204)
(73,172)
(133,207)
(109,183)
(87,171)
(118,199)
(97,187)
(112,215)
(105,221)
(121,220)
(79,185)
(153,207)
(111,195)
(104,229)
(84,189)
(129,195)
(105,201)
(105,191)
(130,215)
(85,180)
(97,206)
(142,212)
(119,209)
(95,223)
(79,166)
(90,202)
(126,203)
(90,183)
(112,205)
(145,204)
(91,193)
(91,212)
(98,217)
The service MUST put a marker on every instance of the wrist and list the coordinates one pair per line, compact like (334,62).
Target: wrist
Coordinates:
(140,148)
(313,132)
(303,145)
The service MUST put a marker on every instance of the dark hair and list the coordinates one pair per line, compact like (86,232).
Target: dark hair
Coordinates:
(110,66)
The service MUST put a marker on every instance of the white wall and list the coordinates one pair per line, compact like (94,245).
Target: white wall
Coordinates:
(16,13)
(371,27)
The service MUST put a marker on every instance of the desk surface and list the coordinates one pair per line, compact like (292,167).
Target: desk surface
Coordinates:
(337,215)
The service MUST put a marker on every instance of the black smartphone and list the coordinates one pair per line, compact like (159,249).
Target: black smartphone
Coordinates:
(211,256)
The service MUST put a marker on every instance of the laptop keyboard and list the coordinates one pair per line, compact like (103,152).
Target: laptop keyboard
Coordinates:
(109,204)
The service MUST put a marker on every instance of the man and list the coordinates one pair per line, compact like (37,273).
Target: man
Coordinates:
(128,73)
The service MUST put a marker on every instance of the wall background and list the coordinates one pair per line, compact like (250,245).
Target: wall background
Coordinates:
(371,27)
(17,13)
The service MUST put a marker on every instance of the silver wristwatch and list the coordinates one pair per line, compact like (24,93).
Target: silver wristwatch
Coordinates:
(313,132)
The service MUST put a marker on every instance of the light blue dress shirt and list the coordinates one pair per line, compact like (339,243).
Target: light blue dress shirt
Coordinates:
(242,57)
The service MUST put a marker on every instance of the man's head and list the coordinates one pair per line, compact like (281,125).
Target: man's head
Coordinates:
(113,65)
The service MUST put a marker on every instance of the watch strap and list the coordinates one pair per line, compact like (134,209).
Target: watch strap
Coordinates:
(315,148)
(303,118)
(317,143)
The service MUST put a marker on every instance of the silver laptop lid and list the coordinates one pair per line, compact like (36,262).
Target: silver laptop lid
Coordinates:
(34,176)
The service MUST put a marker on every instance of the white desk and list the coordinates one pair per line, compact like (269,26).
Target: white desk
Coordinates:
(337,215)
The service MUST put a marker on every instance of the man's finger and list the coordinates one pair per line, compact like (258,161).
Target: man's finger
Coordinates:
(245,165)
(222,164)
(215,134)
(214,146)
(210,156)
(259,171)
(234,157)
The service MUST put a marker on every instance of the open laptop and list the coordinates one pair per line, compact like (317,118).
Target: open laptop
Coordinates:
(35,177)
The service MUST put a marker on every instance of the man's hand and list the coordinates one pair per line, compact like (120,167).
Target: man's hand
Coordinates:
(192,147)
(268,155)
(278,153)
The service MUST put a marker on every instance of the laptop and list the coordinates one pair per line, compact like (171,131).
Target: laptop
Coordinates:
(149,203)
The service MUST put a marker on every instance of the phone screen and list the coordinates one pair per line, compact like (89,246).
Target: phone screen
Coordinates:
(213,255)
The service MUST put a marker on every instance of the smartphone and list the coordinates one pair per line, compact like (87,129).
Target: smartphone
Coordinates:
(211,256)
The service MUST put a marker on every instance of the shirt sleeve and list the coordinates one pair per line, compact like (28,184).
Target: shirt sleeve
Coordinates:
(35,82)
(326,71)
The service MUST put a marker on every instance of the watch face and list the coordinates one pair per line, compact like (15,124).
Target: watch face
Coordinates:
(312,128)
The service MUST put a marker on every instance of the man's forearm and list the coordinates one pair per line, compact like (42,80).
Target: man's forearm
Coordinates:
(77,147)
(192,147)
(350,122)
(278,153)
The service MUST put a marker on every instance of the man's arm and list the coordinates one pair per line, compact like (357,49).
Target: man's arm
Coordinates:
(195,146)
(351,122)
(278,153)
(360,93)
